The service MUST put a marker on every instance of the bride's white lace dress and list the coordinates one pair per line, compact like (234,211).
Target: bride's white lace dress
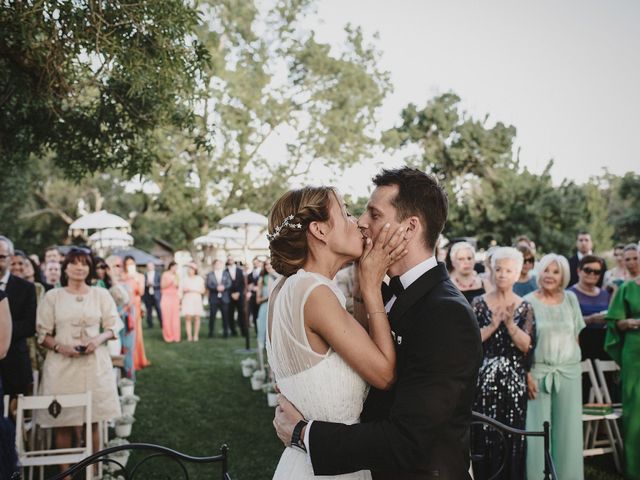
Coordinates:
(321,386)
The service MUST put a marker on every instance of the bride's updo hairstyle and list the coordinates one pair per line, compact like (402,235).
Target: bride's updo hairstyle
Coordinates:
(288,221)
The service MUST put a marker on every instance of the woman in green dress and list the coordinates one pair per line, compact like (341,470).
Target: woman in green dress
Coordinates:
(623,344)
(554,383)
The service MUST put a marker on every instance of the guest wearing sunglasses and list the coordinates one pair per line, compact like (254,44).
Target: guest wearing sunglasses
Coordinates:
(594,302)
(526,282)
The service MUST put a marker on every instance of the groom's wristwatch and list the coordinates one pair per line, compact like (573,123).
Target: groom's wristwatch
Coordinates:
(296,440)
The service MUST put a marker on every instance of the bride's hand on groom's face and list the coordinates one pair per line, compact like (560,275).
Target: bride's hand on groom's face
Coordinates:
(285,419)
(380,254)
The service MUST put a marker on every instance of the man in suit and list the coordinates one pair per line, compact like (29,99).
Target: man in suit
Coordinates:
(584,246)
(151,296)
(236,305)
(420,428)
(252,290)
(218,284)
(15,368)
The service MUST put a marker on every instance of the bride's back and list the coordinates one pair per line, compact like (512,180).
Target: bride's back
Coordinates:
(321,386)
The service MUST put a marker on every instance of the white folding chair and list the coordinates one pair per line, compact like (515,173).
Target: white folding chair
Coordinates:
(57,456)
(602,367)
(592,445)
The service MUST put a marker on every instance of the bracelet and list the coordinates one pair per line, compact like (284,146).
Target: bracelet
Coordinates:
(373,313)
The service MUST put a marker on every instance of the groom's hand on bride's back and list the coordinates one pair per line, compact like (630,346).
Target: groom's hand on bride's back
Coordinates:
(285,419)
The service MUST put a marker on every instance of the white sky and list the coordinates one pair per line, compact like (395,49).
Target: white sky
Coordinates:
(565,74)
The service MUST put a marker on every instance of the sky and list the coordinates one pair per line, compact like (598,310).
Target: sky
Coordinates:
(565,74)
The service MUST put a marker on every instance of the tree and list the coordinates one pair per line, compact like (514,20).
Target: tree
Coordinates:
(269,78)
(452,146)
(91,80)
(624,207)
(599,225)
(513,202)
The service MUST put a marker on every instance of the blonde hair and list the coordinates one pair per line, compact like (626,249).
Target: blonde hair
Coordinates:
(562,262)
(289,249)
(507,253)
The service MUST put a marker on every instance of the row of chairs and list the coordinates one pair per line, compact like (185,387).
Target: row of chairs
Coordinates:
(597,441)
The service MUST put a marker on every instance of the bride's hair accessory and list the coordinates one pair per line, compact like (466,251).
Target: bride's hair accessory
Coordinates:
(286,223)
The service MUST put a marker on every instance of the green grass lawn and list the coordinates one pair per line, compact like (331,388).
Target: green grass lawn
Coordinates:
(194,399)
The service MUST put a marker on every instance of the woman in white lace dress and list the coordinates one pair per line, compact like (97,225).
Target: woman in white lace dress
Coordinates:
(323,358)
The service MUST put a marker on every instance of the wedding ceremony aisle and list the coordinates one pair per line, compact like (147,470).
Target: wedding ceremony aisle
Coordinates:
(195,399)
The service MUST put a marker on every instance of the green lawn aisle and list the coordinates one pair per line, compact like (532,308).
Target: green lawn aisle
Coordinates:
(194,399)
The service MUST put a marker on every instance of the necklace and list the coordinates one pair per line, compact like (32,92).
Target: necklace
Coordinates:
(464,286)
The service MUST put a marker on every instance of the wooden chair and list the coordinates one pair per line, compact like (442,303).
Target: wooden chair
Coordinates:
(593,445)
(57,456)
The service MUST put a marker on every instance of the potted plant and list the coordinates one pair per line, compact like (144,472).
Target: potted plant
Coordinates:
(126,386)
(248,366)
(128,404)
(272,395)
(121,457)
(123,426)
(257,379)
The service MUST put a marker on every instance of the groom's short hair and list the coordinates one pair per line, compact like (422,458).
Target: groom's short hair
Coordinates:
(419,194)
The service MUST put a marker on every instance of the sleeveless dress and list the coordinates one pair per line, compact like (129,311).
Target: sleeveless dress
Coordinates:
(321,386)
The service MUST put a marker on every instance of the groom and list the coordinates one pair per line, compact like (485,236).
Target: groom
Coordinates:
(420,428)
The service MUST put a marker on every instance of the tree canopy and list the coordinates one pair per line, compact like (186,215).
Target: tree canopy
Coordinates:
(91,81)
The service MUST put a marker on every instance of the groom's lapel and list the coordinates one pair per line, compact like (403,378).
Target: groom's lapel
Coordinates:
(412,294)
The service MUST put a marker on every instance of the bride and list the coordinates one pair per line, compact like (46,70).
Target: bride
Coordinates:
(323,359)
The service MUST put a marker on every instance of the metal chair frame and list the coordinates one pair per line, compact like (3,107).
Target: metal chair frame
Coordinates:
(102,457)
(505,432)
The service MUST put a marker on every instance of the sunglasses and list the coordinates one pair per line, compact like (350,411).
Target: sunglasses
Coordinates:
(590,271)
(4,257)
(529,260)
(101,266)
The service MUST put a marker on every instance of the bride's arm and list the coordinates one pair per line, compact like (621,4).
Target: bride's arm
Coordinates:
(372,357)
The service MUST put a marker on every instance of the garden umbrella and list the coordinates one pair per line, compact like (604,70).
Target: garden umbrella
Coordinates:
(98,221)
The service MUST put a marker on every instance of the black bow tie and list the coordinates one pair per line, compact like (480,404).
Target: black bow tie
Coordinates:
(396,285)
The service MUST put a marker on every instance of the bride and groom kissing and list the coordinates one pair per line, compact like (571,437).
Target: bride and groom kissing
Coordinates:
(386,395)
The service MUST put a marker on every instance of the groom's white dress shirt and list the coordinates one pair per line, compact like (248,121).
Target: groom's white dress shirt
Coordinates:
(407,278)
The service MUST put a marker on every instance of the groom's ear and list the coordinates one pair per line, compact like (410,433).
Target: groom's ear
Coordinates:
(413,227)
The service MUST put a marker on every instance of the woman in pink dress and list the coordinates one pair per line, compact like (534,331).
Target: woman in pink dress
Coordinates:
(170,304)
(135,281)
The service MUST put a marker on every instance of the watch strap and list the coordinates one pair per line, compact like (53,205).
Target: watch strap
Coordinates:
(296,439)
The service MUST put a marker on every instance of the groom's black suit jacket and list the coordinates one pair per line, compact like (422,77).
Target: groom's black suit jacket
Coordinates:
(420,428)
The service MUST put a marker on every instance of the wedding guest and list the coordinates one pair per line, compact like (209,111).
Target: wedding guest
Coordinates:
(17,264)
(268,276)
(584,246)
(70,320)
(152,294)
(52,274)
(463,258)
(623,344)
(554,384)
(526,281)
(8,456)
(252,290)
(52,254)
(594,302)
(617,275)
(15,368)
(170,304)
(236,303)
(136,285)
(30,273)
(122,295)
(507,326)
(192,309)
(219,285)
(103,279)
